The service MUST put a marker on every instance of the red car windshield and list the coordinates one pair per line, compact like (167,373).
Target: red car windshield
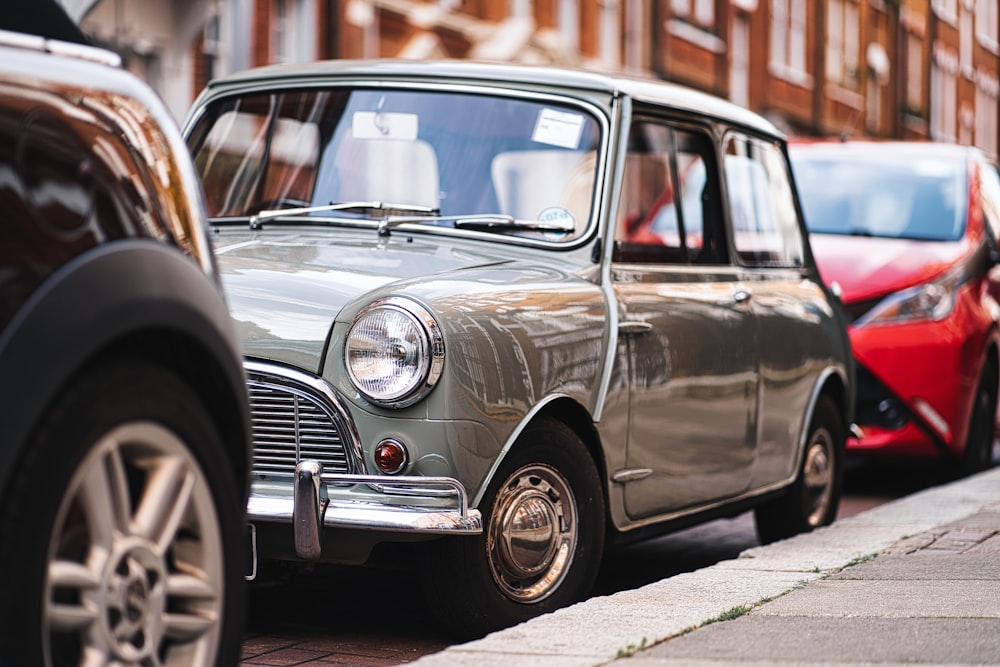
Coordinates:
(906,197)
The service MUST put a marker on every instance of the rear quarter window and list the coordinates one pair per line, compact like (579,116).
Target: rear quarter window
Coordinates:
(766,230)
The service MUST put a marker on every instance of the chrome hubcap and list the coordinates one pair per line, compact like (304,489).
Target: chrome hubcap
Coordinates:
(532,533)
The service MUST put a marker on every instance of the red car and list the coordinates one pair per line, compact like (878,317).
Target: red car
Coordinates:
(907,233)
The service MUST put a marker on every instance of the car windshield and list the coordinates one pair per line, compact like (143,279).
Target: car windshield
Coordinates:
(447,159)
(910,196)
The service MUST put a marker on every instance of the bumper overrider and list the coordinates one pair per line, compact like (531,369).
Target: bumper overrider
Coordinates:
(307,459)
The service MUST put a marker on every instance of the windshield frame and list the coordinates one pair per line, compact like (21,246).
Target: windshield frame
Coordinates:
(569,98)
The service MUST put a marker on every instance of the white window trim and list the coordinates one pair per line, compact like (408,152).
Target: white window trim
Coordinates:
(988,29)
(946,10)
(695,35)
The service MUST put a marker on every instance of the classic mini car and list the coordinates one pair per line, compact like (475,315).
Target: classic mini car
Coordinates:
(497,318)
(125,454)
(908,231)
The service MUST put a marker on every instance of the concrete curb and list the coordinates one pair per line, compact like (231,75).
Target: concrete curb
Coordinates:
(602,629)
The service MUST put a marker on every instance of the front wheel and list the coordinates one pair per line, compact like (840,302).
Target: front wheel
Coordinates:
(542,540)
(978,454)
(122,540)
(813,498)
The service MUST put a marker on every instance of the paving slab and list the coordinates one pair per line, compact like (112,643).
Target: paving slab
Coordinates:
(890,599)
(802,640)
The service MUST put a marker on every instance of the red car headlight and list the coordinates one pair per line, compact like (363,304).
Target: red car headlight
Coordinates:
(930,301)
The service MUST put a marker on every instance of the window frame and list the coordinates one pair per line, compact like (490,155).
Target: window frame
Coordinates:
(767,258)
(682,255)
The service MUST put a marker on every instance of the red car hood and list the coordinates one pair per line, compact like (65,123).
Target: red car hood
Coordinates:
(868,267)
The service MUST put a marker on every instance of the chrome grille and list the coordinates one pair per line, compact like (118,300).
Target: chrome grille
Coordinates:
(290,423)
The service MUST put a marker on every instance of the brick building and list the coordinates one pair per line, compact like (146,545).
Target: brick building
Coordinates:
(887,68)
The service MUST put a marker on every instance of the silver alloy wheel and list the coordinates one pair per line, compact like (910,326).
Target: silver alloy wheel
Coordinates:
(532,534)
(818,473)
(135,564)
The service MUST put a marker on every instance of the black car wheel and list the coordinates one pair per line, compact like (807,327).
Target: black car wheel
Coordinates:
(542,540)
(978,454)
(813,498)
(124,530)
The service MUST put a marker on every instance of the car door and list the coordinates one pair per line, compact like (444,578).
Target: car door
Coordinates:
(790,309)
(688,333)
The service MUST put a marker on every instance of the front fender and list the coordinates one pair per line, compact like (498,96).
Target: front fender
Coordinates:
(509,350)
(114,292)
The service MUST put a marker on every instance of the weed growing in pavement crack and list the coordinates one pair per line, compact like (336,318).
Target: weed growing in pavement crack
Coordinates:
(733,613)
(630,650)
(858,560)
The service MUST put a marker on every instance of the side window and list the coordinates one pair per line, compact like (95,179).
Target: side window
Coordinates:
(991,199)
(665,199)
(766,230)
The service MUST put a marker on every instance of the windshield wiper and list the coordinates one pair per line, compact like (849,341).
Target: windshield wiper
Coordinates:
(503,221)
(258,219)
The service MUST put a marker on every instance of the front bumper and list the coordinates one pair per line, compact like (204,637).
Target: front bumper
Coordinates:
(309,510)
(916,383)
(308,469)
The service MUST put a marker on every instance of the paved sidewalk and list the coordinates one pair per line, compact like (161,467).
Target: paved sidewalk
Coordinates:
(915,581)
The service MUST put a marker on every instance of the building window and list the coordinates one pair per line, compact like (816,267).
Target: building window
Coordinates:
(965,41)
(842,43)
(988,24)
(788,40)
(987,120)
(944,100)
(569,24)
(293,35)
(609,35)
(282,32)
(700,12)
(739,65)
(914,74)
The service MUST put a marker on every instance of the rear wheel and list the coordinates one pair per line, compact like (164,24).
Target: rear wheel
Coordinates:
(541,544)
(125,530)
(813,498)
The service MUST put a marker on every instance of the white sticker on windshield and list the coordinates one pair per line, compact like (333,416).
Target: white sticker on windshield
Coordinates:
(558,128)
(375,125)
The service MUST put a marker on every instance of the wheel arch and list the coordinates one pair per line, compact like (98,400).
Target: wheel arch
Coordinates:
(832,384)
(569,412)
(835,386)
(133,297)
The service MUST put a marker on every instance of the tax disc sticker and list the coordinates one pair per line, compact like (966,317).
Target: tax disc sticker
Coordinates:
(558,128)
(559,217)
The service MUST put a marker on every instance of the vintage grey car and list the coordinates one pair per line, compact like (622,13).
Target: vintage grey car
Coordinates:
(498,319)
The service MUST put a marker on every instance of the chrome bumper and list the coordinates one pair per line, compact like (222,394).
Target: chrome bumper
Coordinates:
(309,512)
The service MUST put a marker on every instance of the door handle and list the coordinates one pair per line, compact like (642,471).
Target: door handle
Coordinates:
(741,296)
(633,327)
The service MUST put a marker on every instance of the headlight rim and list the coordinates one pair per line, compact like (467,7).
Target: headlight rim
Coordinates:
(433,344)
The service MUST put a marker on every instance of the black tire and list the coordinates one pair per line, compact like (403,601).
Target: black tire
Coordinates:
(124,529)
(813,498)
(479,584)
(978,453)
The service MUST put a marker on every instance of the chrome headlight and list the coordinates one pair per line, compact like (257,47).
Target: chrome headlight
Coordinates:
(931,301)
(394,352)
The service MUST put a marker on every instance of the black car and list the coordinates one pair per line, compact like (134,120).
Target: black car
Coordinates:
(124,442)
